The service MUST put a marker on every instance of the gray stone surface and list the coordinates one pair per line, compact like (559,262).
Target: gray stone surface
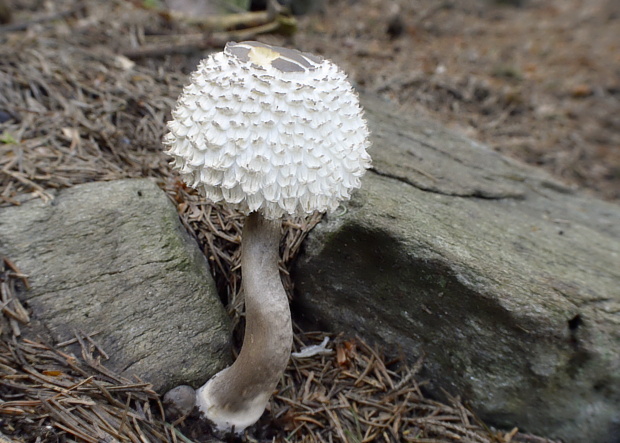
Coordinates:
(113,257)
(506,281)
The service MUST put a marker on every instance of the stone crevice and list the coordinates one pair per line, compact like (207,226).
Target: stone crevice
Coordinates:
(480,193)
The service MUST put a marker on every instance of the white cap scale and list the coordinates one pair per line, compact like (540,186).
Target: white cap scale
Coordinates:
(270,129)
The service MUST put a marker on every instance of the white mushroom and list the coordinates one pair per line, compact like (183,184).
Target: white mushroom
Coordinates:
(272,132)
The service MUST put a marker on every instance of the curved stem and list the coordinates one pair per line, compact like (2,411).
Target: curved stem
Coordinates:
(236,397)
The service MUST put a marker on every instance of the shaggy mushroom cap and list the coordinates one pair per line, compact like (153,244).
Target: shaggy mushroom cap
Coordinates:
(269,129)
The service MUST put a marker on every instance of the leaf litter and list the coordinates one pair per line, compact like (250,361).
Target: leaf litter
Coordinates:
(73,109)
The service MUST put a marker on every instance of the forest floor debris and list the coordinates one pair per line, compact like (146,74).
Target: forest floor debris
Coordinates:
(75,107)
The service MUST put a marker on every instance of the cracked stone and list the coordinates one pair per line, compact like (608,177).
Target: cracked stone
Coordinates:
(503,279)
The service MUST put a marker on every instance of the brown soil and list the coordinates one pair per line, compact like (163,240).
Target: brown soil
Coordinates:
(539,82)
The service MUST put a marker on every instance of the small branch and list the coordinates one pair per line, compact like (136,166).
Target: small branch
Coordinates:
(188,43)
(221,22)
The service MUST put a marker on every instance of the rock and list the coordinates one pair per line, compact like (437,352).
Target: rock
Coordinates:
(179,402)
(113,257)
(506,281)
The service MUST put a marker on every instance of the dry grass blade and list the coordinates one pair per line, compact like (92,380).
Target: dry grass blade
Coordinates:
(10,305)
(364,398)
(87,403)
(78,115)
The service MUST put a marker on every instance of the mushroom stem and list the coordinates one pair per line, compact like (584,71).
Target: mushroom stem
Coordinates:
(236,397)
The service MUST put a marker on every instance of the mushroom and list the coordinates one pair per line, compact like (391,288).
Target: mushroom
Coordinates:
(272,132)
